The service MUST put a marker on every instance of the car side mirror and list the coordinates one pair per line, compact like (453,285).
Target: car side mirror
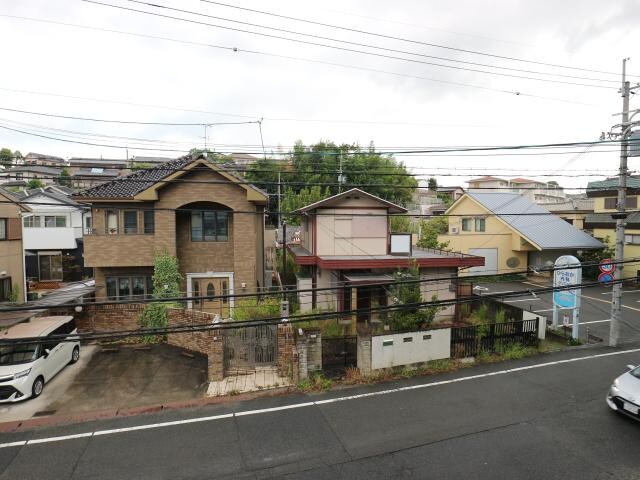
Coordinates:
(631,367)
(46,352)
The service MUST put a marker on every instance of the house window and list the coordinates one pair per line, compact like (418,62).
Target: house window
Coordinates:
(209,226)
(3,228)
(480,224)
(32,221)
(130,218)
(632,239)
(196,293)
(211,290)
(225,291)
(149,222)
(55,221)
(125,287)
(88,225)
(611,203)
(5,289)
(50,266)
(466,224)
(112,222)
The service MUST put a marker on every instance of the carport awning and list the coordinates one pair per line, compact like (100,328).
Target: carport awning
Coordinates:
(8,319)
(365,278)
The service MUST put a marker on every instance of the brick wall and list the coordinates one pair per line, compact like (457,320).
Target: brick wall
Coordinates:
(207,342)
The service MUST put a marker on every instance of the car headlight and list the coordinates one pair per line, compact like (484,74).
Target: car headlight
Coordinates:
(21,374)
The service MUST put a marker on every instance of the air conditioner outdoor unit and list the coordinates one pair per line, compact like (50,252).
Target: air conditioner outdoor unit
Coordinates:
(454,230)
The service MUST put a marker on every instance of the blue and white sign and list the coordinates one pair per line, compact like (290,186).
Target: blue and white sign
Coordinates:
(566,277)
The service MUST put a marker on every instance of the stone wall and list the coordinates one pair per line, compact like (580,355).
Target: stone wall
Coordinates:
(287,354)
(309,348)
(364,353)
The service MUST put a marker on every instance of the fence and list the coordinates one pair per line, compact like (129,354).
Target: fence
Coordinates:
(492,338)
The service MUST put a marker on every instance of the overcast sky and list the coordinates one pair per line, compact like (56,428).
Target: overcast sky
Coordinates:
(191,83)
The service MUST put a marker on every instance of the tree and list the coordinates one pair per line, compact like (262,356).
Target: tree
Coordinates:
(429,231)
(35,183)
(17,156)
(401,224)
(166,284)
(6,157)
(432,184)
(318,164)
(293,200)
(140,166)
(64,178)
(407,292)
(594,257)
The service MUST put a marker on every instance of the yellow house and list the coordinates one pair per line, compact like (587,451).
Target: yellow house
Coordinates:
(605,196)
(510,232)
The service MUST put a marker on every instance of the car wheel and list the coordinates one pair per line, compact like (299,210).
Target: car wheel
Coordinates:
(75,355)
(37,387)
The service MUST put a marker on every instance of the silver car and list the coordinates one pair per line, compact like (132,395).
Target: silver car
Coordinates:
(624,394)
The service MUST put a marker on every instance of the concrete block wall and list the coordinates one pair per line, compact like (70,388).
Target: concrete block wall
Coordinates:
(363,357)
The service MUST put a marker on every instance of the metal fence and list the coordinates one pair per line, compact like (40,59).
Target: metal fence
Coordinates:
(492,338)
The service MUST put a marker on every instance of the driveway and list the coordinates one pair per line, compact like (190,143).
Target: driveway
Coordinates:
(125,377)
(595,309)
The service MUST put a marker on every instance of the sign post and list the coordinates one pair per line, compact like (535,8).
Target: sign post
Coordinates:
(567,273)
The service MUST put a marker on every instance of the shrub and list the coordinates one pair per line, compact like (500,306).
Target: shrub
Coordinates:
(316,382)
(256,309)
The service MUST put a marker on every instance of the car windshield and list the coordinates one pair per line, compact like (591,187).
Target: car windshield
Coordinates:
(635,372)
(17,354)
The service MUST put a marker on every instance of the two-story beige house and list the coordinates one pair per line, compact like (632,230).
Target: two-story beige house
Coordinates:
(12,278)
(349,254)
(190,208)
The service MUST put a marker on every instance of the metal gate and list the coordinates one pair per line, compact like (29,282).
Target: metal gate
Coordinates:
(338,353)
(250,347)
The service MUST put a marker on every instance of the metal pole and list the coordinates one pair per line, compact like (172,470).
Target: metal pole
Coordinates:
(620,216)
(284,255)
(279,209)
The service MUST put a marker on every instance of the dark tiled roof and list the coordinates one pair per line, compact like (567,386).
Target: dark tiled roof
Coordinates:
(136,182)
(96,172)
(34,168)
(611,184)
(605,220)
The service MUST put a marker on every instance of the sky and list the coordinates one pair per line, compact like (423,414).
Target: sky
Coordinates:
(54,64)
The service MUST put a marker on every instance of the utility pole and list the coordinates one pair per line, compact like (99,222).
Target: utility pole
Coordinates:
(620,215)
(279,203)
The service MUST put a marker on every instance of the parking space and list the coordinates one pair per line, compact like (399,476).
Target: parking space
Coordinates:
(117,378)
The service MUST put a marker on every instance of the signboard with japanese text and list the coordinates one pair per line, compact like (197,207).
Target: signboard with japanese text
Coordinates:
(567,273)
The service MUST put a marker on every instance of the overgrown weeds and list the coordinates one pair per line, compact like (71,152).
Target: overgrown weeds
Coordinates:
(316,382)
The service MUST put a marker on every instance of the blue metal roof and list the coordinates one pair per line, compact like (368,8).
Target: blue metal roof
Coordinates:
(546,230)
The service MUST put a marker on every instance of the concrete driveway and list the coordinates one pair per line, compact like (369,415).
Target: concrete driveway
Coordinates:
(111,379)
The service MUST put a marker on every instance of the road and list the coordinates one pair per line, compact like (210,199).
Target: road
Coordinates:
(538,418)
(595,310)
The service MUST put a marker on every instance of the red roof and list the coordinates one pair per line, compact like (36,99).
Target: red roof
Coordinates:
(487,178)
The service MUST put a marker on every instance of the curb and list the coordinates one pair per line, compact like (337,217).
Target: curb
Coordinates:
(56,420)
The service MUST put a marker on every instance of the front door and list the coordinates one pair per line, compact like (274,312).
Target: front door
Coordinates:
(211,287)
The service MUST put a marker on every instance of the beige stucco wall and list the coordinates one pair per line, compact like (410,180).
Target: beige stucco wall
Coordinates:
(598,204)
(342,234)
(630,250)
(496,235)
(328,299)
(441,288)
(11,253)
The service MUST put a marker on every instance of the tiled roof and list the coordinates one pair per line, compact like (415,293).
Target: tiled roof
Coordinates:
(136,182)
(487,178)
(611,184)
(34,168)
(534,222)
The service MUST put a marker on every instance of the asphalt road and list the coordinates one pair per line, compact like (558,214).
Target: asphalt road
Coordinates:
(595,308)
(495,421)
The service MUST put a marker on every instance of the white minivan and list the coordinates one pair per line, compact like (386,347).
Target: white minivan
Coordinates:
(25,368)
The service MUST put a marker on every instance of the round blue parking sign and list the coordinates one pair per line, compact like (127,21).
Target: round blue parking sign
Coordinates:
(605,278)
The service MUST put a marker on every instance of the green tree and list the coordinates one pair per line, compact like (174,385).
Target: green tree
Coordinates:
(316,165)
(407,292)
(64,178)
(401,224)
(594,257)
(432,184)
(292,200)
(17,156)
(166,284)
(6,157)
(140,166)
(429,231)
(35,183)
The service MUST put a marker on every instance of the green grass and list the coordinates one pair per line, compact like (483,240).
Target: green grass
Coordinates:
(317,382)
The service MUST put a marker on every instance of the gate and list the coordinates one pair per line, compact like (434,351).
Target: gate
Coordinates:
(339,353)
(250,347)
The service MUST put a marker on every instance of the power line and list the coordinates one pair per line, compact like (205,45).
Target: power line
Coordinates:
(335,47)
(320,37)
(391,37)
(133,122)
(278,320)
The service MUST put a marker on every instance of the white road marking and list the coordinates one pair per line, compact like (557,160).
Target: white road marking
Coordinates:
(624,291)
(498,293)
(545,310)
(318,402)
(534,299)
(607,301)
(592,321)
